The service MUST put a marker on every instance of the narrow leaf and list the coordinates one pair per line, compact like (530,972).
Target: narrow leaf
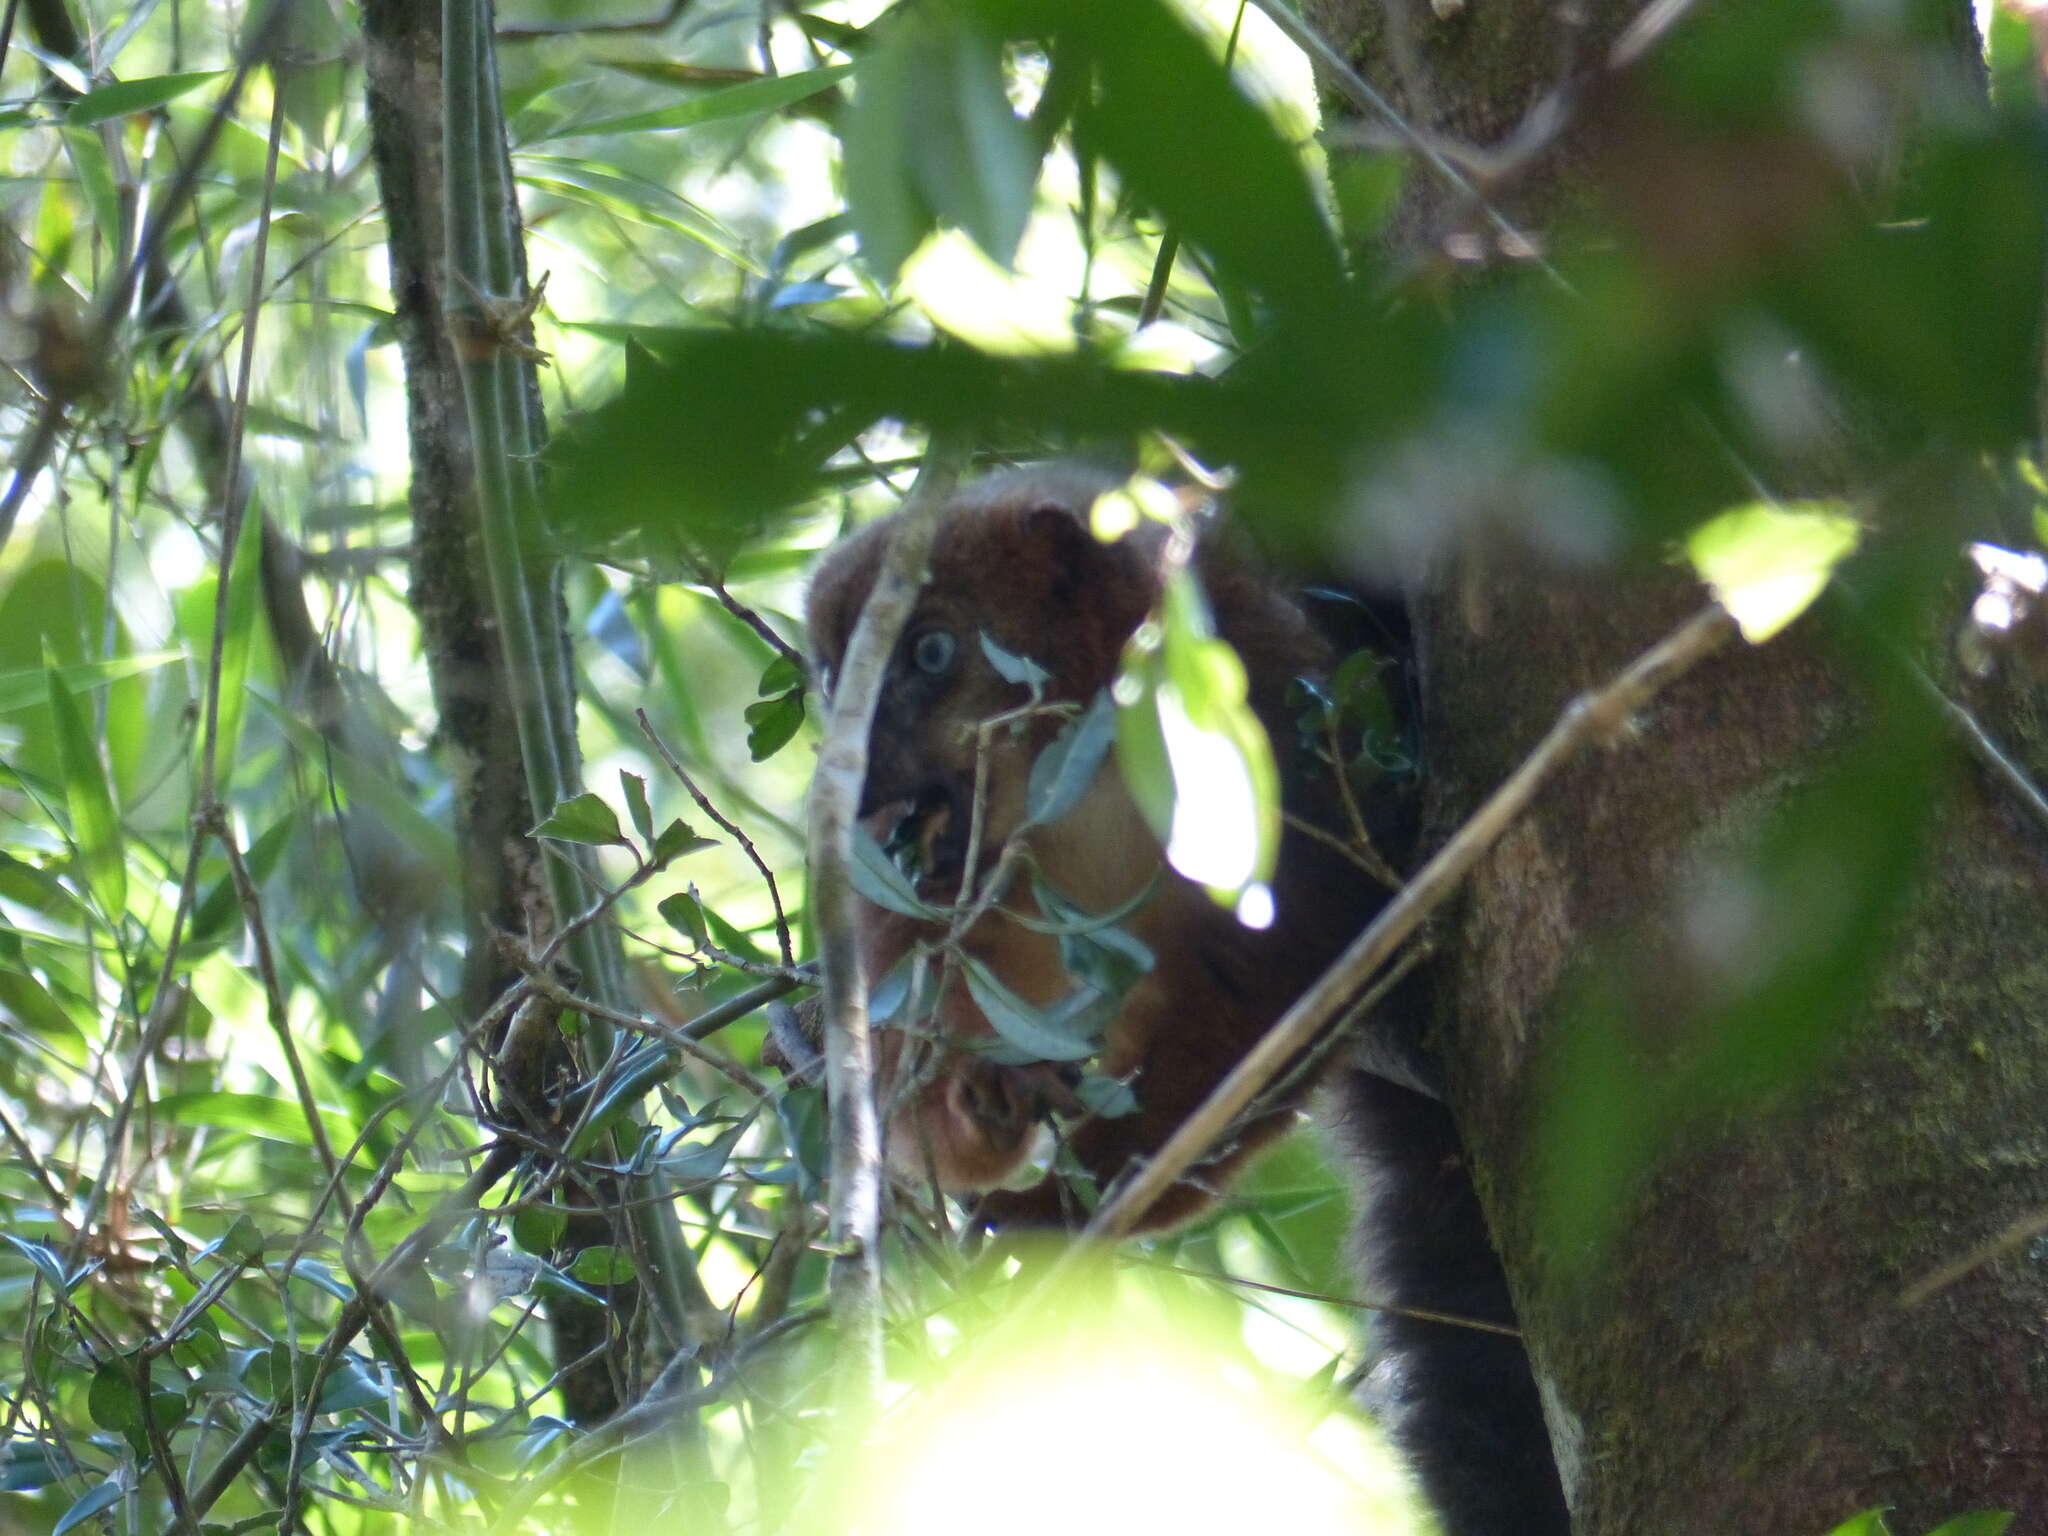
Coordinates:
(128,96)
(876,877)
(751,99)
(1065,769)
(95,829)
(101,1496)
(1038,1032)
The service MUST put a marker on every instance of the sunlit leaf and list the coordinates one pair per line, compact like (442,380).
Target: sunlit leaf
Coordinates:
(1766,563)
(126,96)
(273,1119)
(749,100)
(1983,1522)
(238,641)
(23,690)
(95,828)
(1182,705)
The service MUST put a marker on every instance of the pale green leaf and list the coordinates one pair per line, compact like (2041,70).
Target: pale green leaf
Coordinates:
(1766,563)
(95,829)
(749,100)
(127,96)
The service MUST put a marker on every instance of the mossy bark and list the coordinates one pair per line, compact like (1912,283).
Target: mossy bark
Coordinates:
(1737,1358)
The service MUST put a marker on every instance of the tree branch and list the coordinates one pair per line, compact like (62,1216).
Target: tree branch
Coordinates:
(835,802)
(1589,718)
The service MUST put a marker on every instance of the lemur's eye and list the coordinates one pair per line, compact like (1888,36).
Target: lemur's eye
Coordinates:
(932,652)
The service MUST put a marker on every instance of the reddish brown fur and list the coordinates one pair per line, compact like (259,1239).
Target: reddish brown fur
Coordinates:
(1013,558)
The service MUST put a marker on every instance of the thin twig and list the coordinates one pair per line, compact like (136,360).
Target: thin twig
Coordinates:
(1982,747)
(1591,717)
(1349,82)
(2016,1236)
(731,830)
(753,620)
(1351,1303)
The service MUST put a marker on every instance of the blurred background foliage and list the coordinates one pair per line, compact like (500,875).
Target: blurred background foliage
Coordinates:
(783,243)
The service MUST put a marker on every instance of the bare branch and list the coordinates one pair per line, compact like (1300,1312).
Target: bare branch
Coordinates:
(835,801)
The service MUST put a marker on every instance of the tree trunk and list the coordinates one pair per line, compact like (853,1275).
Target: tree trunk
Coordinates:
(1737,1355)
(505,886)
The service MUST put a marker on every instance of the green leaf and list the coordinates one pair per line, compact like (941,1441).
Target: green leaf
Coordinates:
(115,1401)
(26,689)
(29,1001)
(749,100)
(242,1243)
(350,1384)
(421,836)
(1186,141)
(636,198)
(1061,773)
(45,1259)
(1187,723)
(635,789)
(685,913)
(1767,563)
(1108,1097)
(780,676)
(273,1119)
(582,818)
(1983,1522)
(931,139)
(99,1497)
(26,1464)
(1869,1523)
(603,1265)
(889,210)
(95,830)
(677,839)
(647,1066)
(128,96)
(703,1161)
(772,722)
(238,643)
(539,1229)
(876,877)
(1043,1034)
